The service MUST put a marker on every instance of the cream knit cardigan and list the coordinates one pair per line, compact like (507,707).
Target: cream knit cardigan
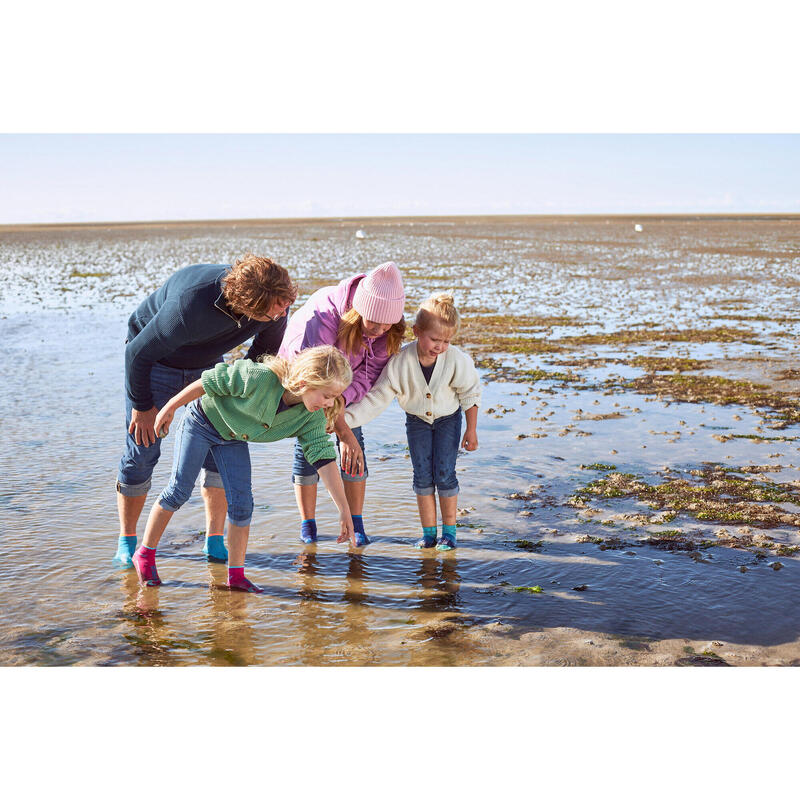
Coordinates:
(454,382)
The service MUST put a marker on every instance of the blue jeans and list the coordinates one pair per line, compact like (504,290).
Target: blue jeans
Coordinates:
(433,449)
(138,462)
(196,438)
(305,474)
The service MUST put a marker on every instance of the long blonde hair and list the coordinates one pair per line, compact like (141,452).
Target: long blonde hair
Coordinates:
(438,308)
(350,336)
(320,367)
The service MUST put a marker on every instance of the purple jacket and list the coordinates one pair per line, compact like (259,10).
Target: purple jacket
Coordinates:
(317,322)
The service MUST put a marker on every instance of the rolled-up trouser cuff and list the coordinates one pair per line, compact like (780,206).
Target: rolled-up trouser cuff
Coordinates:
(242,523)
(305,480)
(447,492)
(167,506)
(354,478)
(134,489)
(424,491)
(211,480)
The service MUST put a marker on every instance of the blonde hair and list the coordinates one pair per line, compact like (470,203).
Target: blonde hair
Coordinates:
(438,308)
(320,367)
(350,336)
(254,284)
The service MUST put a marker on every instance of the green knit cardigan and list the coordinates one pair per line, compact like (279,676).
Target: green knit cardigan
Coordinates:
(241,399)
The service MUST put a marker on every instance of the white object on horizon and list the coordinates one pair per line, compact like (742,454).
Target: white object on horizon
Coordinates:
(638,228)
(360,234)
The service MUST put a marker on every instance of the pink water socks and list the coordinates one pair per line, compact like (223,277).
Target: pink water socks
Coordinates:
(144,559)
(238,583)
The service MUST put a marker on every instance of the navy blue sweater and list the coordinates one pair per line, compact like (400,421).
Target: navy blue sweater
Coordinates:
(187,324)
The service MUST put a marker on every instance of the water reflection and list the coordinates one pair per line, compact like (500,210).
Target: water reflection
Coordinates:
(439,581)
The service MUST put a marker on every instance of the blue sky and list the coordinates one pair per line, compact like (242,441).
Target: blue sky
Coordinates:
(119,177)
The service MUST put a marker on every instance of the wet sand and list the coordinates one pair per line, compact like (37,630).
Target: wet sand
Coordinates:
(666,358)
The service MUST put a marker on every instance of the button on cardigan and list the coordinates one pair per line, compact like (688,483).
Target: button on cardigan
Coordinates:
(454,383)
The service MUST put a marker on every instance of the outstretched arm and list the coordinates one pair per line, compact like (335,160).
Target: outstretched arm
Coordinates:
(164,417)
(333,483)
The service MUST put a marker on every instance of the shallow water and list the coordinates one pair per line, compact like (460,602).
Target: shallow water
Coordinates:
(65,301)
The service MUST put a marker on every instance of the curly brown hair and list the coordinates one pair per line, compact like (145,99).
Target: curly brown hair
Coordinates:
(254,284)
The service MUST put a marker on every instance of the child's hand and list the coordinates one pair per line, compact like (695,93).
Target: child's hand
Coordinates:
(470,440)
(163,421)
(348,532)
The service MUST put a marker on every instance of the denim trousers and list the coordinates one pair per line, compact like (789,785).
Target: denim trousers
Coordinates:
(138,462)
(196,438)
(433,448)
(306,474)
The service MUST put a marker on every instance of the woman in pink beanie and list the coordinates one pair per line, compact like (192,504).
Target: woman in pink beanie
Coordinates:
(363,317)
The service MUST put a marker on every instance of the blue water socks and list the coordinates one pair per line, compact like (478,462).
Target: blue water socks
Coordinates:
(126,547)
(358,526)
(448,540)
(428,537)
(215,549)
(308,531)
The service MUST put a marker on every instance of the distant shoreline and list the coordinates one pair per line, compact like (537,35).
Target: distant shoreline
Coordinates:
(465,218)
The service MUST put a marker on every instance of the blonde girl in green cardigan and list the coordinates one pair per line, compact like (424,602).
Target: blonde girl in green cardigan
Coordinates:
(231,405)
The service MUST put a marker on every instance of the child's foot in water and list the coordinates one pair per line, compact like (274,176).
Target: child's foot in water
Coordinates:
(126,547)
(358,527)
(428,538)
(448,540)
(308,531)
(144,559)
(215,550)
(238,583)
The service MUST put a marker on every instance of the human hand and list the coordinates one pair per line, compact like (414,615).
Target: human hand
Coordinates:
(352,456)
(470,440)
(347,530)
(164,420)
(142,426)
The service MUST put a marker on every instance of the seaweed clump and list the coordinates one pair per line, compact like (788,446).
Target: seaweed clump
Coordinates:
(718,496)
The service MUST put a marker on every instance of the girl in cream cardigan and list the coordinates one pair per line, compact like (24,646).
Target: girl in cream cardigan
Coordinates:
(433,382)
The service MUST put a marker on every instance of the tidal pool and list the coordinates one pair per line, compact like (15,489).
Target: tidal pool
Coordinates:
(607,596)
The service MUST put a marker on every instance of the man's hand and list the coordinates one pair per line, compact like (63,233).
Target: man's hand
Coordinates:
(142,426)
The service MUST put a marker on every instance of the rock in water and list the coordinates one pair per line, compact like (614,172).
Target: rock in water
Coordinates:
(360,234)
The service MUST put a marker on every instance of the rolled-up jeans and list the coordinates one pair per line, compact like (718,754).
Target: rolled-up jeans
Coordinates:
(195,439)
(305,474)
(138,462)
(433,448)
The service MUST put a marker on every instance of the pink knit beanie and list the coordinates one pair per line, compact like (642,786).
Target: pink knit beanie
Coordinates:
(379,296)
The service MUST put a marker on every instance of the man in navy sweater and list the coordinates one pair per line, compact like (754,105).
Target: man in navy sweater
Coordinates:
(181,329)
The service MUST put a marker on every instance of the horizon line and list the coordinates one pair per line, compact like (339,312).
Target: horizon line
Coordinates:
(770,215)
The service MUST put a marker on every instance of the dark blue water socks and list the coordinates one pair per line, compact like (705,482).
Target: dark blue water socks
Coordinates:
(215,549)
(428,537)
(126,547)
(358,526)
(448,540)
(308,531)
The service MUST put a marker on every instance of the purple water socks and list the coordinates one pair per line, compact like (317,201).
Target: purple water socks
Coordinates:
(238,583)
(308,531)
(144,559)
(358,527)
(428,538)
(215,549)
(126,547)
(448,540)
